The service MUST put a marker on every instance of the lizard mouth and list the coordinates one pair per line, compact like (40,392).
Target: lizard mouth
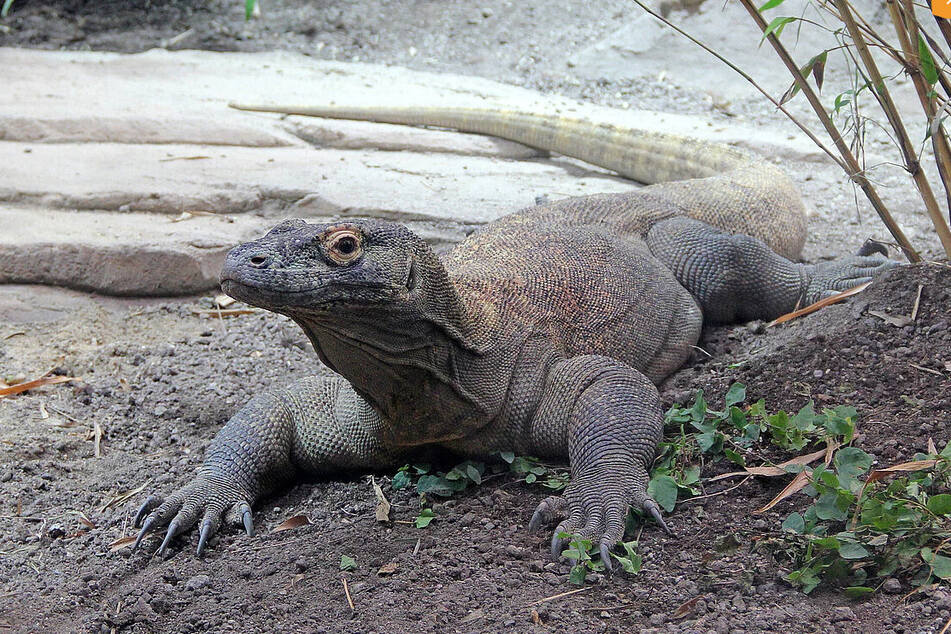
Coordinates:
(312,293)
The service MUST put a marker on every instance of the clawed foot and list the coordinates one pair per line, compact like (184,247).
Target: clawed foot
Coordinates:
(205,498)
(829,278)
(595,511)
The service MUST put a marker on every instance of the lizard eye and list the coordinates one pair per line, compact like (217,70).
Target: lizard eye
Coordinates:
(344,246)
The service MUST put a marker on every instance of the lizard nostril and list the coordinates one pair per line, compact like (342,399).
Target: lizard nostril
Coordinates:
(258,260)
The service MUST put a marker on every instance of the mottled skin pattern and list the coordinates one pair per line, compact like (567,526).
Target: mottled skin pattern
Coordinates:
(543,334)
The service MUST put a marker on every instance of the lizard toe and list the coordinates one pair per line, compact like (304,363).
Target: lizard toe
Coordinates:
(206,499)
(240,515)
(549,510)
(150,503)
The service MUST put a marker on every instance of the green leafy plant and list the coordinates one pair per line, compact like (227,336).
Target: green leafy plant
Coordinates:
(425,517)
(861,529)
(587,558)
(698,432)
(347,563)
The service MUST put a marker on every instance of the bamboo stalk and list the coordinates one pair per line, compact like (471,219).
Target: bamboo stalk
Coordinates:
(907,31)
(852,167)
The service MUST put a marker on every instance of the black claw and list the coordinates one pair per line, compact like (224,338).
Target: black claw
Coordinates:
(172,530)
(871,247)
(557,546)
(145,529)
(150,503)
(655,513)
(536,522)
(606,558)
(248,522)
(203,535)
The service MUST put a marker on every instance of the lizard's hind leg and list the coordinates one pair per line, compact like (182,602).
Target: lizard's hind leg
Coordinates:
(738,278)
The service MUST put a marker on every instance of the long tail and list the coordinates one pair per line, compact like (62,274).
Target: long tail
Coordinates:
(742,194)
(643,156)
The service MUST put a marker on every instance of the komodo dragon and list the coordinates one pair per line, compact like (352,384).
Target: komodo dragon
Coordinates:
(543,333)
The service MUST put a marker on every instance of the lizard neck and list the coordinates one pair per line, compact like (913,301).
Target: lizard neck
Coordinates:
(411,359)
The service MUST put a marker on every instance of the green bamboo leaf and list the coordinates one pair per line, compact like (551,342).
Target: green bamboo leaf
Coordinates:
(248,8)
(6,8)
(772,4)
(776,27)
(927,62)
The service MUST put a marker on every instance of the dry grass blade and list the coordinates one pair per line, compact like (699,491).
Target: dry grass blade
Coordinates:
(121,543)
(932,450)
(776,470)
(291,523)
(346,589)
(231,312)
(822,303)
(796,485)
(898,321)
(558,596)
(119,498)
(35,383)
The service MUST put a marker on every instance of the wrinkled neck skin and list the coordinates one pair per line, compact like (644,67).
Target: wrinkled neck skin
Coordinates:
(412,359)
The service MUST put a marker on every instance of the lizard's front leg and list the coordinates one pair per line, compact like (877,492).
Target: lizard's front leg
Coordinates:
(315,425)
(608,416)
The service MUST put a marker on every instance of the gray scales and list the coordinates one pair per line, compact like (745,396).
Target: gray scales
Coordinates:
(544,333)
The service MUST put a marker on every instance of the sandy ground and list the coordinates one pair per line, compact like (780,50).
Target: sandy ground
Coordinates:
(159,377)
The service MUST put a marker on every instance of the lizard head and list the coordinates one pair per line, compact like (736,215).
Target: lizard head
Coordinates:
(300,268)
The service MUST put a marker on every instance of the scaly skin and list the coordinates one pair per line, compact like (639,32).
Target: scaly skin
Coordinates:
(544,333)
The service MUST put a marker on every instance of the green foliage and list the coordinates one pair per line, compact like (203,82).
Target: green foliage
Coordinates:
(249,8)
(535,472)
(425,517)
(347,562)
(587,558)
(855,534)
(734,434)
(6,8)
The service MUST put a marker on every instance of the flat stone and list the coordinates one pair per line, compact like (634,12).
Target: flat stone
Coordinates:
(130,175)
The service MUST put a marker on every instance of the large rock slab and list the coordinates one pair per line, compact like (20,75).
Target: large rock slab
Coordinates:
(103,154)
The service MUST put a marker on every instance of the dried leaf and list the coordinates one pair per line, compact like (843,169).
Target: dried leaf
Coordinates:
(899,321)
(121,543)
(536,619)
(35,383)
(382,505)
(932,450)
(822,303)
(387,569)
(83,519)
(291,523)
(685,608)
